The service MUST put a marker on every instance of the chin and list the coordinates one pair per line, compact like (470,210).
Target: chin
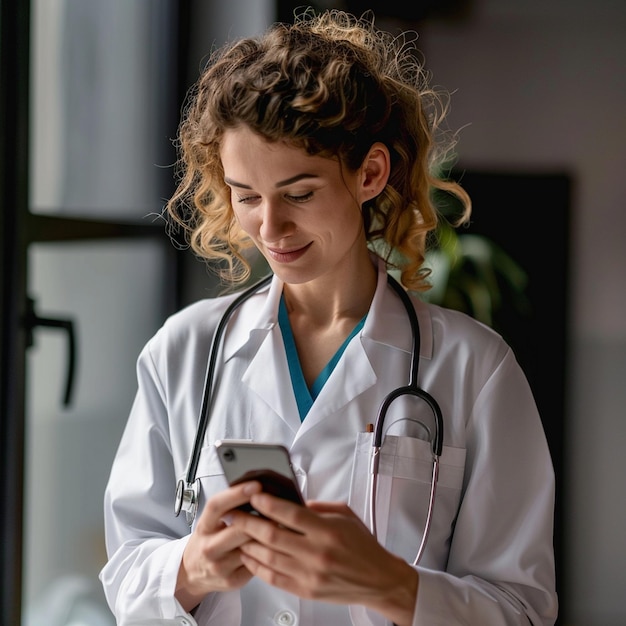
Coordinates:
(293,276)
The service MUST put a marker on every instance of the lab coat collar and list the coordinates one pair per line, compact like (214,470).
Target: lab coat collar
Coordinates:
(255,336)
(255,317)
(254,330)
(387,321)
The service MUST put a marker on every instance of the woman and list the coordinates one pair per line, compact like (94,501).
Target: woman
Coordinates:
(316,143)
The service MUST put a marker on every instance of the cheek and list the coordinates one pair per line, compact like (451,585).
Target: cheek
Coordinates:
(245,220)
(351,220)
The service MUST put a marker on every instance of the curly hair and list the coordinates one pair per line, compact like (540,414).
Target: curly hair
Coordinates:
(331,84)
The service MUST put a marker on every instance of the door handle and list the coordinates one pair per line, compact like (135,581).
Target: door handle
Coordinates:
(32,321)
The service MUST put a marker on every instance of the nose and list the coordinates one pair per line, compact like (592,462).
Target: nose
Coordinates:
(276,221)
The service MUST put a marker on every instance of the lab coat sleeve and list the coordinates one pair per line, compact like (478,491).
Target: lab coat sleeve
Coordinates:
(501,565)
(144,539)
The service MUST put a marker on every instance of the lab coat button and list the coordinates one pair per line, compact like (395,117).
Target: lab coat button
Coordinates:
(285,618)
(185,622)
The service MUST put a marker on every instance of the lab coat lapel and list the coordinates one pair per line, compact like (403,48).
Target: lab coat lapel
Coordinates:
(351,377)
(255,336)
(388,323)
(268,377)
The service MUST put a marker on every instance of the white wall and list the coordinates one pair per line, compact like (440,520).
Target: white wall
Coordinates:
(541,86)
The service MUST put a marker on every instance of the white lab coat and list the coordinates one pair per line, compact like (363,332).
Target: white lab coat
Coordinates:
(489,557)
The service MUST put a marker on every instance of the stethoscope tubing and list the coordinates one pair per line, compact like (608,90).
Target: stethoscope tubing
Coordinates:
(207,397)
(436,441)
(187,491)
(412,388)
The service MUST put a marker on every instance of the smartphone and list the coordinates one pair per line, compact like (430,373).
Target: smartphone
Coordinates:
(268,463)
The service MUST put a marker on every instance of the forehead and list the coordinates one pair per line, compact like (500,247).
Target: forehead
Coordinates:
(244,152)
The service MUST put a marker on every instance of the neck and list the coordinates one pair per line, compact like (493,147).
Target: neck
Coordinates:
(327,302)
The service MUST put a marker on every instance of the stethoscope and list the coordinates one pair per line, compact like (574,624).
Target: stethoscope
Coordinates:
(188,489)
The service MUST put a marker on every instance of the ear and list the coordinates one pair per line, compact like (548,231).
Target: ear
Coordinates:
(374,172)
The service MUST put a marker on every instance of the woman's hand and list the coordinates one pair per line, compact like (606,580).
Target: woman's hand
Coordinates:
(212,558)
(324,552)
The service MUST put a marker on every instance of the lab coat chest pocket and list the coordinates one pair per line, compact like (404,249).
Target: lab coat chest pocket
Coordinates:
(403,492)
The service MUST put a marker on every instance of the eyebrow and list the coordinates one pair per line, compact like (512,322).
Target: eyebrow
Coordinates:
(282,183)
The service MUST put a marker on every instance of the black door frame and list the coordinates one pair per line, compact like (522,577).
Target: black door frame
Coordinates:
(14,138)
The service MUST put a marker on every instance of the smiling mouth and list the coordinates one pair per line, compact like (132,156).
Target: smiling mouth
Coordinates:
(287,256)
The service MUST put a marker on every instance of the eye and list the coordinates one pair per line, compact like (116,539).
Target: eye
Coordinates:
(246,199)
(300,198)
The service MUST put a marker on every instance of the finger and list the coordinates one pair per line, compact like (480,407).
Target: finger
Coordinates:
(288,514)
(229,568)
(267,534)
(270,575)
(207,567)
(305,520)
(222,542)
(337,508)
(270,558)
(307,573)
(221,504)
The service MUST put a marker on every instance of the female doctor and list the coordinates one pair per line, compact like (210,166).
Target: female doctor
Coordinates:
(316,142)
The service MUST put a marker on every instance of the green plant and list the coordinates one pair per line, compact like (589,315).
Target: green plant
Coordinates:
(471,273)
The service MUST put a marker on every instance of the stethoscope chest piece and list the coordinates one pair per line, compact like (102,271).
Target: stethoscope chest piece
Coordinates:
(186,500)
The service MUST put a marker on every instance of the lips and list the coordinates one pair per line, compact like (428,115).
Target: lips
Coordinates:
(287,256)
